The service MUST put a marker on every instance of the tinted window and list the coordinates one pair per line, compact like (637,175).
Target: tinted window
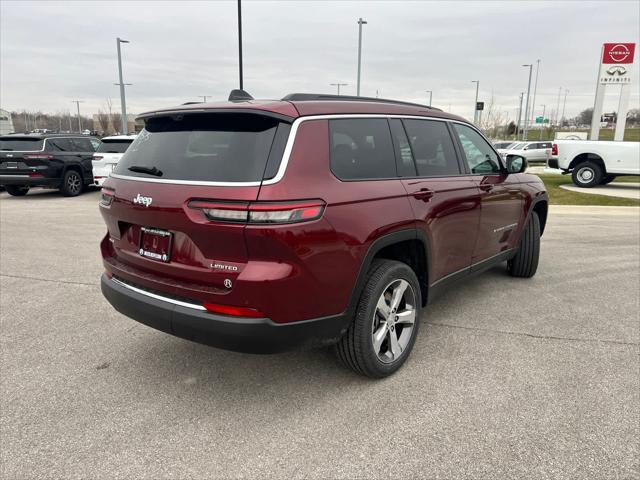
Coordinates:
(20,144)
(83,145)
(222,147)
(114,146)
(432,148)
(406,167)
(59,145)
(361,148)
(478,153)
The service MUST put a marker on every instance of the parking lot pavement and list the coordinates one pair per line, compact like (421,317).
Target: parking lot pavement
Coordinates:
(622,190)
(509,378)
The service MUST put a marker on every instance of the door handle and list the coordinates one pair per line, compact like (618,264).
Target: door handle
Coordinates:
(423,194)
(486,188)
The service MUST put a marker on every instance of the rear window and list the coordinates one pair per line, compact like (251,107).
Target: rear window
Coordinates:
(218,147)
(361,149)
(21,144)
(114,146)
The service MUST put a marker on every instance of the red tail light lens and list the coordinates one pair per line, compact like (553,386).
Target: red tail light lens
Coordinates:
(260,212)
(38,156)
(554,149)
(98,157)
(35,175)
(233,311)
(106,197)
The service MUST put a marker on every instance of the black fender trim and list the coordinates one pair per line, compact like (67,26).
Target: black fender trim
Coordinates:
(540,198)
(374,248)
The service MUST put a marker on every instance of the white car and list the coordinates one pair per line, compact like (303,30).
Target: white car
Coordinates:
(532,151)
(592,162)
(108,155)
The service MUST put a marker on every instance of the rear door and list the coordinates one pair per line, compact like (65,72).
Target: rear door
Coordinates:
(180,171)
(444,199)
(502,200)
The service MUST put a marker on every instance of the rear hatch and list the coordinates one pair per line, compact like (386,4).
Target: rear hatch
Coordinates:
(179,168)
(108,155)
(19,155)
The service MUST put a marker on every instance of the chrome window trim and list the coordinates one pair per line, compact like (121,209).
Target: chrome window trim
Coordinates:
(158,297)
(289,147)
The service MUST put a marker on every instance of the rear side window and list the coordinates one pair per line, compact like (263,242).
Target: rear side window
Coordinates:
(59,145)
(12,144)
(212,147)
(83,145)
(361,148)
(114,146)
(432,147)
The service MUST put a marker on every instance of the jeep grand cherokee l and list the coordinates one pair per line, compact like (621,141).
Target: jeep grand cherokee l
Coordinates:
(60,161)
(257,226)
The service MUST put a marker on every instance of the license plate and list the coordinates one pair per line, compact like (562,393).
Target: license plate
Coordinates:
(155,244)
(12,165)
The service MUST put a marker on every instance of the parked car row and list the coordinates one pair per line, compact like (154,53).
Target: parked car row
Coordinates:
(68,162)
(532,151)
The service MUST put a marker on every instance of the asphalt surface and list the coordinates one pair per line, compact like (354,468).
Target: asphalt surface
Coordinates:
(508,379)
(621,189)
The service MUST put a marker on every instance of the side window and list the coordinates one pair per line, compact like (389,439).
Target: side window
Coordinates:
(59,145)
(83,145)
(95,142)
(406,167)
(478,153)
(432,148)
(361,148)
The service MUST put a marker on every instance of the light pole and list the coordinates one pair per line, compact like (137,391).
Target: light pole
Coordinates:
(519,116)
(535,89)
(544,109)
(77,102)
(475,105)
(430,96)
(360,23)
(558,107)
(526,108)
(204,97)
(564,104)
(339,85)
(123,104)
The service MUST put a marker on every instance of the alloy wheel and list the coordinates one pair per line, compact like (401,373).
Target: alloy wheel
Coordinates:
(74,183)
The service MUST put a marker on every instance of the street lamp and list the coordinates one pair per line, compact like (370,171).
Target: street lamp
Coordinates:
(77,102)
(526,108)
(360,23)
(535,90)
(339,85)
(430,96)
(564,104)
(544,109)
(204,97)
(123,120)
(475,105)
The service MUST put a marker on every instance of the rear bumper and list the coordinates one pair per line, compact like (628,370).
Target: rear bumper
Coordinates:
(250,335)
(552,163)
(28,181)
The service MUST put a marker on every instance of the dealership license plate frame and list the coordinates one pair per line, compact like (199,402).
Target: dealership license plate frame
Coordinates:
(157,252)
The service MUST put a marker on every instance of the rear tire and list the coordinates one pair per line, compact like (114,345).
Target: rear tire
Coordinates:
(607,179)
(72,184)
(382,334)
(525,262)
(17,190)
(587,175)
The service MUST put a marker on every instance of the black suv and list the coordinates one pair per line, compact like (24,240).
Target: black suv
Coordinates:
(46,160)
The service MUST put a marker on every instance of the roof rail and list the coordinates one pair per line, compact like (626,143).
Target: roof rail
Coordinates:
(190,103)
(302,97)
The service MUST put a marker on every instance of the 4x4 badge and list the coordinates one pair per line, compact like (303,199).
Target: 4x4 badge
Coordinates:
(140,200)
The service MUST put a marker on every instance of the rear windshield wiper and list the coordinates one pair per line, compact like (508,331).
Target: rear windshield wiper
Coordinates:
(149,170)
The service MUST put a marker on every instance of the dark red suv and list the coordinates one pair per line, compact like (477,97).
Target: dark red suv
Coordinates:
(261,225)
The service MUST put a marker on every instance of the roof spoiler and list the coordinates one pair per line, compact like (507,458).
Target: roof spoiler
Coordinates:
(238,95)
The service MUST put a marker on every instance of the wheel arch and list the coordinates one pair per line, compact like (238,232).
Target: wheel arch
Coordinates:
(408,246)
(588,157)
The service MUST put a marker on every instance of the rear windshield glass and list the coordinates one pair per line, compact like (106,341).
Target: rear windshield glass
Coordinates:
(21,144)
(114,146)
(221,147)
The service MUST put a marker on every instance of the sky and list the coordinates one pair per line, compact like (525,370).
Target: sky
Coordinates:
(54,52)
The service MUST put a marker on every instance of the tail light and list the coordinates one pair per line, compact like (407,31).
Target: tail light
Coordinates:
(98,157)
(260,212)
(106,197)
(35,175)
(38,156)
(554,149)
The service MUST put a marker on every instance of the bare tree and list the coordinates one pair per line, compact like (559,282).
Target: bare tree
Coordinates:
(115,121)
(493,120)
(103,120)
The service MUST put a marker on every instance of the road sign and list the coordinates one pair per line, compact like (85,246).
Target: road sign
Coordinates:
(540,119)
(480,106)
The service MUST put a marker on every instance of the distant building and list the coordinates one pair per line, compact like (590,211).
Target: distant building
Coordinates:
(6,124)
(132,125)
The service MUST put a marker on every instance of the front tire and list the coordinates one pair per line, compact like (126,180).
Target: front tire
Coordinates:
(525,262)
(17,190)
(382,334)
(72,184)
(607,179)
(587,175)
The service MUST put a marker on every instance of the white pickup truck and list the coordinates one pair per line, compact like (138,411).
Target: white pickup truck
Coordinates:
(593,163)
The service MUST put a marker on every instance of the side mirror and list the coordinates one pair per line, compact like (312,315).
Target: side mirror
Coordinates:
(516,164)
